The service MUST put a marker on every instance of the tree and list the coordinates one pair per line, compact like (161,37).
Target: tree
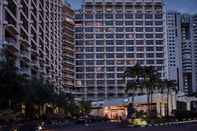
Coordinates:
(133,84)
(12,83)
(169,85)
(85,107)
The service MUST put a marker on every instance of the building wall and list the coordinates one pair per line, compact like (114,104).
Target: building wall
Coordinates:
(68,48)
(112,35)
(186,38)
(174,48)
(194,22)
(33,31)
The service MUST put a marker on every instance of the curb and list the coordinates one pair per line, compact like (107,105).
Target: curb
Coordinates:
(171,123)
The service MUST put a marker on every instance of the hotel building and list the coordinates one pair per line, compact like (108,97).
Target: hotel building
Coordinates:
(112,35)
(32,30)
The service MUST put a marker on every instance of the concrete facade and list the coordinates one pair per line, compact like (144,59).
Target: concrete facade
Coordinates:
(32,29)
(112,35)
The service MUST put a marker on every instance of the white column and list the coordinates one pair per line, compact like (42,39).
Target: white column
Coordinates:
(188,106)
(158,108)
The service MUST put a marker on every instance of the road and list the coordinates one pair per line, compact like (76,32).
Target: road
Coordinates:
(112,127)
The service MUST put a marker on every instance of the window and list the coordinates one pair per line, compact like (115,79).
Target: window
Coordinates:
(129,42)
(99,16)
(158,23)
(99,42)
(109,36)
(108,16)
(89,42)
(159,42)
(89,56)
(79,36)
(119,36)
(139,29)
(100,62)
(139,22)
(159,49)
(79,56)
(100,56)
(139,42)
(150,49)
(149,35)
(90,76)
(79,62)
(89,69)
(110,55)
(129,29)
(119,16)
(79,16)
(130,36)
(159,29)
(110,75)
(158,16)
(89,62)
(129,49)
(149,29)
(128,22)
(110,49)
(109,42)
(149,42)
(150,62)
(150,55)
(89,36)
(120,69)
(140,48)
(110,62)
(119,22)
(159,36)
(99,49)
(159,55)
(120,49)
(79,42)
(119,29)
(89,49)
(88,29)
(110,69)
(99,36)
(128,16)
(120,42)
(108,23)
(139,35)
(100,75)
(139,16)
(80,69)
(140,55)
(130,55)
(80,76)
(88,16)
(120,55)
(148,16)
(148,22)
(79,29)
(160,62)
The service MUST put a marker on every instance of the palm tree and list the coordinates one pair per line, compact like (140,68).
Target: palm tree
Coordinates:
(133,85)
(169,85)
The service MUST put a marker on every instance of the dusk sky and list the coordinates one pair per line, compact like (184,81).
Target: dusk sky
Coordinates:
(187,6)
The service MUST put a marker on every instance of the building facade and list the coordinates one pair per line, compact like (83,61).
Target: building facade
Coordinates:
(194,47)
(32,30)
(112,35)
(186,42)
(68,48)
(174,48)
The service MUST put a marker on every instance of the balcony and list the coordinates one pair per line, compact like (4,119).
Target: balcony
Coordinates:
(11,43)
